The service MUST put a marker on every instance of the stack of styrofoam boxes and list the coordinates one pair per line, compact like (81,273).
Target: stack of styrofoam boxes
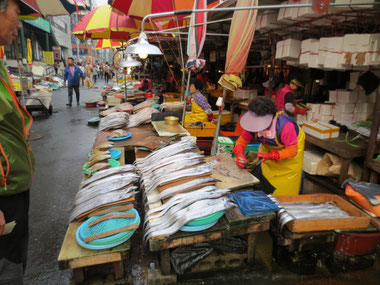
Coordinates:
(285,14)
(352,85)
(351,105)
(333,53)
(314,54)
(322,51)
(374,55)
(354,7)
(322,112)
(266,21)
(305,56)
(288,49)
(310,161)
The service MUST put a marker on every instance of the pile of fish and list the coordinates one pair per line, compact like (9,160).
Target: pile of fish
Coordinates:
(123,107)
(146,104)
(307,211)
(178,176)
(108,187)
(99,157)
(144,116)
(114,121)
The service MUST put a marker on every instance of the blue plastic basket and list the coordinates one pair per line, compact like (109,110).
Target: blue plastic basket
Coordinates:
(198,228)
(108,225)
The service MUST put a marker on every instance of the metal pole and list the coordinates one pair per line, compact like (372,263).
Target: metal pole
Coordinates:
(184,33)
(184,101)
(20,74)
(182,60)
(215,140)
(78,41)
(227,9)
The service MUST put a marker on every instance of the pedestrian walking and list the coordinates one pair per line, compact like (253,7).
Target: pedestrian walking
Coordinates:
(83,69)
(95,73)
(61,68)
(16,158)
(107,73)
(72,76)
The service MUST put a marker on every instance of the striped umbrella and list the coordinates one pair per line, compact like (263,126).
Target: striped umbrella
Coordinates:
(103,23)
(108,44)
(242,30)
(141,8)
(54,7)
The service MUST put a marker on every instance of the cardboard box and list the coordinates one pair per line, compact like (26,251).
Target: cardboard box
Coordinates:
(288,49)
(321,130)
(310,161)
(306,49)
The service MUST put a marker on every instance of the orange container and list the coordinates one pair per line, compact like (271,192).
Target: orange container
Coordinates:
(362,201)
(357,243)
(202,132)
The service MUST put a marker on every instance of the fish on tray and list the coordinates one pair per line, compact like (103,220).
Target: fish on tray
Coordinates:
(97,159)
(103,147)
(99,166)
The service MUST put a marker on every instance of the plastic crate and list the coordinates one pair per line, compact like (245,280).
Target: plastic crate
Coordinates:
(226,117)
(202,132)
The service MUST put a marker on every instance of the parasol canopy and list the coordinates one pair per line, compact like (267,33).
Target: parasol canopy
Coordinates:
(103,23)
(53,7)
(240,39)
(108,44)
(141,8)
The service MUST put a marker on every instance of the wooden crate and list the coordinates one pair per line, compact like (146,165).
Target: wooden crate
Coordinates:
(359,219)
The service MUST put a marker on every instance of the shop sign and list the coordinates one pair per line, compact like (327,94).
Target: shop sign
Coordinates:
(39,23)
(48,58)
(57,52)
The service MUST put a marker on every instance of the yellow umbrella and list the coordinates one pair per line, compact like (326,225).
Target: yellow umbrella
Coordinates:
(29,49)
(108,43)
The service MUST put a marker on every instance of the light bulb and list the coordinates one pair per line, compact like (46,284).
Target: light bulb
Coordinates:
(143,55)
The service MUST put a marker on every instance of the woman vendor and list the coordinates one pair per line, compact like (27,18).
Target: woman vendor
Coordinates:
(281,149)
(200,109)
(285,99)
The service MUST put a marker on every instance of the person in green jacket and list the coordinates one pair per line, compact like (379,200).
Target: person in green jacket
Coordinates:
(16,158)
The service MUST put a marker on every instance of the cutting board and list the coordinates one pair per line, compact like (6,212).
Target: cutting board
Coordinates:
(230,175)
(165,130)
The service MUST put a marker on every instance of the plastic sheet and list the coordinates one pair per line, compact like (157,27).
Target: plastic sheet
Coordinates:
(368,190)
(254,202)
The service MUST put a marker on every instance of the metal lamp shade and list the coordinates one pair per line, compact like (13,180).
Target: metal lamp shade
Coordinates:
(143,47)
(130,62)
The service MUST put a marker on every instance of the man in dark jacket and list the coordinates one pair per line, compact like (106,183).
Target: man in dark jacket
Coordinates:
(16,158)
(72,75)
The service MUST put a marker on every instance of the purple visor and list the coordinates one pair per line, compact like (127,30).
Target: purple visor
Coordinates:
(254,123)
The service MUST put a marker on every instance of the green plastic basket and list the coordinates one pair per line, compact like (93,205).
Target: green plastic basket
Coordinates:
(206,220)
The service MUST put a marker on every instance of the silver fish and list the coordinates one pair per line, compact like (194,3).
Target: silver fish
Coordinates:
(142,117)
(102,200)
(179,188)
(108,172)
(114,121)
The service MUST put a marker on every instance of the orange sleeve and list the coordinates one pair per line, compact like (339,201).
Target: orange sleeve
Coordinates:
(241,141)
(288,152)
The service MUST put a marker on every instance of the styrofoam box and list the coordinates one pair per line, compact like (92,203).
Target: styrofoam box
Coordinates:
(361,97)
(313,56)
(305,12)
(350,8)
(343,96)
(321,130)
(324,109)
(344,108)
(245,94)
(354,76)
(289,50)
(349,46)
(372,97)
(327,118)
(322,50)
(285,15)
(354,117)
(267,20)
(333,54)
(314,116)
(314,107)
(310,161)
(305,50)
(374,57)
(364,108)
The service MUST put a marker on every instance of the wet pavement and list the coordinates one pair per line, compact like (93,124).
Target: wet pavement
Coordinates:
(60,153)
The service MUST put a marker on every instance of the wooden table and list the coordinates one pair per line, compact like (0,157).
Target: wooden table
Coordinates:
(73,256)
(341,149)
(232,224)
(374,165)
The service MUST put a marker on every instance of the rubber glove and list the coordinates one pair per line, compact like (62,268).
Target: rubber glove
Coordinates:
(300,111)
(187,95)
(239,151)
(272,155)
(211,117)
